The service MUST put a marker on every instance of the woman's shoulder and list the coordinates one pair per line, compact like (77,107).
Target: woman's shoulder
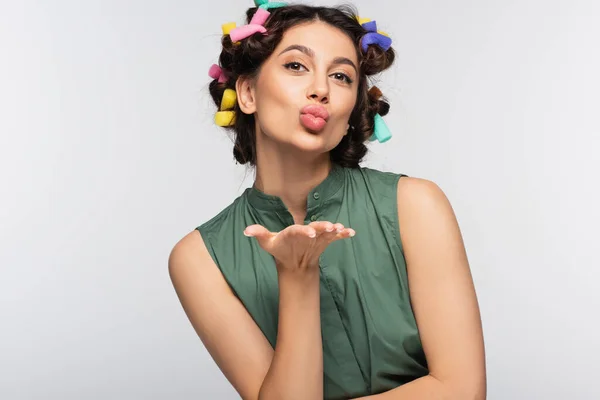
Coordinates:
(199,243)
(225,217)
(374,172)
(375,178)
(410,191)
(385,176)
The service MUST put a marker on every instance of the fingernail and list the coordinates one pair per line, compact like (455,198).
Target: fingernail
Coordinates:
(312,235)
(329,229)
(247,234)
(352,233)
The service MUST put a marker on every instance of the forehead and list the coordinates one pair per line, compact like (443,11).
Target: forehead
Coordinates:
(326,40)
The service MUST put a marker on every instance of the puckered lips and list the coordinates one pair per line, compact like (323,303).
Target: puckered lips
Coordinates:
(314,117)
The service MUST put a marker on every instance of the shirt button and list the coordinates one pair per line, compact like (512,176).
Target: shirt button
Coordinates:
(313,218)
(316,195)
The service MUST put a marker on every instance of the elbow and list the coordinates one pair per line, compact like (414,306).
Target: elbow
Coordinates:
(463,388)
(472,394)
(284,394)
(475,394)
(473,390)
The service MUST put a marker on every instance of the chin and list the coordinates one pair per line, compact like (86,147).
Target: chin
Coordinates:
(320,142)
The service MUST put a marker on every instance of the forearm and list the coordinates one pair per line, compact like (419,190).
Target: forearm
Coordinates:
(296,371)
(425,388)
(430,388)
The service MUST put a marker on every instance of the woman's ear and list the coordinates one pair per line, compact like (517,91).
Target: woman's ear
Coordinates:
(244,88)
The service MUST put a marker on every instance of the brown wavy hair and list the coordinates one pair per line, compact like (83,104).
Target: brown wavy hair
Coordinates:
(245,59)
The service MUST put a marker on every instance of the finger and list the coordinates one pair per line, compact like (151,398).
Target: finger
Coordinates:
(338,227)
(322,227)
(301,230)
(343,233)
(347,232)
(325,239)
(257,231)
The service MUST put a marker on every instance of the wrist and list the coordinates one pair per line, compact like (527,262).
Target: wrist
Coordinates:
(302,278)
(299,296)
(297,268)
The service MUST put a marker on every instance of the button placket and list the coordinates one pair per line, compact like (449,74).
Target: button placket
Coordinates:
(315,217)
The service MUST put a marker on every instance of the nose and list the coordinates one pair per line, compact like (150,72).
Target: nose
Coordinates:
(319,89)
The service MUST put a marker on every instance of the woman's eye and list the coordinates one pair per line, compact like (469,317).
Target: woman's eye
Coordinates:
(342,77)
(298,67)
(294,66)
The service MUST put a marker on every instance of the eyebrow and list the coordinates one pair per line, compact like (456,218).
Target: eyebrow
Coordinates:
(309,52)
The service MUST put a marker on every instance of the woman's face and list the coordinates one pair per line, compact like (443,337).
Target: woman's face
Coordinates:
(315,64)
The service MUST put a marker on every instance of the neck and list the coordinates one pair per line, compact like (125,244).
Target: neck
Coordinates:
(290,175)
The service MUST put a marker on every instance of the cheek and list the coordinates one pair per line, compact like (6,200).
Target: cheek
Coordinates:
(281,90)
(347,101)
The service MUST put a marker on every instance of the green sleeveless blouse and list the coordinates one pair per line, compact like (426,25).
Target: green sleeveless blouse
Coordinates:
(371,343)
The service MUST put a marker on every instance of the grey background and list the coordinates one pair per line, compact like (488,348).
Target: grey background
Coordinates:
(108,156)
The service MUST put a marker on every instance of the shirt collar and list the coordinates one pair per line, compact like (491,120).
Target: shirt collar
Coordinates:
(317,197)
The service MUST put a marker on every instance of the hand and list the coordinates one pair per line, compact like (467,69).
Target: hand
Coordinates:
(299,246)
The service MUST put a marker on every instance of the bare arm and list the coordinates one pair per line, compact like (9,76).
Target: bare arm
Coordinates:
(294,370)
(297,368)
(224,326)
(443,298)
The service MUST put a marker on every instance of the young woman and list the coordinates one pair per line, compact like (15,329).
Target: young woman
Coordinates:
(325,279)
